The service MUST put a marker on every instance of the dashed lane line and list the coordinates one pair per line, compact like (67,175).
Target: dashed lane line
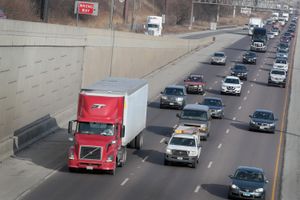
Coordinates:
(145,158)
(248,92)
(162,140)
(197,189)
(245,98)
(240,107)
(219,146)
(209,165)
(227,131)
(125,181)
(234,118)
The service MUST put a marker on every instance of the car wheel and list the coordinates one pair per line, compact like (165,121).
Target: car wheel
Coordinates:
(72,169)
(194,164)
(239,94)
(166,162)
(221,92)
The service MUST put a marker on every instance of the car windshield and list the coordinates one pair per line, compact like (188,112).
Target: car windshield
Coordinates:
(249,175)
(195,78)
(263,115)
(219,55)
(281,61)
(250,54)
(232,80)
(194,115)
(174,91)
(152,26)
(278,72)
(212,102)
(95,128)
(183,141)
(240,67)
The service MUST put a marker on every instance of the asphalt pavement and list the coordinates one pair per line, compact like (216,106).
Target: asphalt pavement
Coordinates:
(40,172)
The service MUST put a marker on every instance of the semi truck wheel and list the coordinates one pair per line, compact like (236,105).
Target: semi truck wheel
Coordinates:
(139,141)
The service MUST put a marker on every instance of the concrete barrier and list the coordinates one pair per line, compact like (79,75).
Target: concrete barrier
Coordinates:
(43,67)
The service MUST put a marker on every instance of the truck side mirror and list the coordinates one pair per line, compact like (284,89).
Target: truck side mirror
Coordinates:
(70,127)
(123,131)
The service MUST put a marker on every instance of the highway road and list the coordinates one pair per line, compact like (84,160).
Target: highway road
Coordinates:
(145,177)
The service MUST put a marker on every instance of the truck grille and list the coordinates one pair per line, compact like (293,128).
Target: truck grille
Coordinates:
(230,88)
(179,153)
(90,152)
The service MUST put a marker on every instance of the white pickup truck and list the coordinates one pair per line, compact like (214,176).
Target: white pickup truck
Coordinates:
(183,147)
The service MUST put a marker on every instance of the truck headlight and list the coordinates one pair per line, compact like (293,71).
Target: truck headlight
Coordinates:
(164,97)
(179,98)
(259,190)
(193,153)
(71,153)
(110,158)
(168,151)
(203,128)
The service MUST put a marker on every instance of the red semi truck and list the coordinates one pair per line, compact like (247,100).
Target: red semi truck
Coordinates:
(111,115)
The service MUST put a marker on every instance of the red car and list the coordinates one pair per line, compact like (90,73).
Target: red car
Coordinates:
(195,84)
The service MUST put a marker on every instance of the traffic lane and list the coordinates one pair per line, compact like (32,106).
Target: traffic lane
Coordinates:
(105,182)
(108,183)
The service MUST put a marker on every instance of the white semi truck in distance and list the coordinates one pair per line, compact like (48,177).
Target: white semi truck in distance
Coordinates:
(255,23)
(154,25)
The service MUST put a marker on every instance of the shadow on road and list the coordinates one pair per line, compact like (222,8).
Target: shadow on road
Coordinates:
(260,83)
(216,189)
(153,156)
(240,125)
(160,130)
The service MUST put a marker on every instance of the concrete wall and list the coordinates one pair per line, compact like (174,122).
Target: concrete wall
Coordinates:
(43,66)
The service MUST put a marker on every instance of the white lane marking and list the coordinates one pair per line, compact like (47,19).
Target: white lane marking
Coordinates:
(220,145)
(240,107)
(145,158)
(204,94)
(209,165)
(162,140)
(125,181)
(254,79)
(259,70)
(234,118)
(248,92)
(197,189)
(251,85)
(227,131)
(245,98)
(210,88)
(257,74)
(23,194)
(216,82)
(138,167)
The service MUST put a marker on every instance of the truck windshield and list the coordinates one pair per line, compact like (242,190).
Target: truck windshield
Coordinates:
(194,115)
(152,26)
(95,128)
(183,142)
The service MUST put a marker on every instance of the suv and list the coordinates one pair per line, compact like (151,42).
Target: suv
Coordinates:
(240,71)
(195,115)
(281,63)
(183,147)
(215,105)
(262,120)
(277,77)
(173,96)
(247,183)
(218,58)
(195,84)
(231,85)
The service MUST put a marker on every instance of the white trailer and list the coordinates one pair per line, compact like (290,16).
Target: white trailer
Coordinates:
(255,23)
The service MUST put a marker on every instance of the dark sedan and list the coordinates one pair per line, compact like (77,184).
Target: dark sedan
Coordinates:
(240,71)
(247,183)
(215,105)
(249,57)
(262,120)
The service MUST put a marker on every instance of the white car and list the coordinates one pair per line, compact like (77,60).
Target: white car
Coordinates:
(231,85)
(281,63)
(277,77)
(218,58)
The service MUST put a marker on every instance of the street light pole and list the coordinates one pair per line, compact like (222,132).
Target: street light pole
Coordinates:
(192,15)
(112,5)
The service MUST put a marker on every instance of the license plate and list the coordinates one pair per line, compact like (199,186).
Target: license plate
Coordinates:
(89,167)
(263,127)
(171,104)
(179,158)
(246,194)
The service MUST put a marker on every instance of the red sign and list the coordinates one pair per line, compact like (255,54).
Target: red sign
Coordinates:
(85,8)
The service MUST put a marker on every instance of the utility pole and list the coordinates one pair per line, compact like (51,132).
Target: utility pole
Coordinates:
(44,10)
(125,12)
(192,16)
(112,5)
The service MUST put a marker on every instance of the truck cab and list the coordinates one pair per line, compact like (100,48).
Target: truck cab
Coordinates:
(259,40)
(198,116)
(183,147)
(154,25)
